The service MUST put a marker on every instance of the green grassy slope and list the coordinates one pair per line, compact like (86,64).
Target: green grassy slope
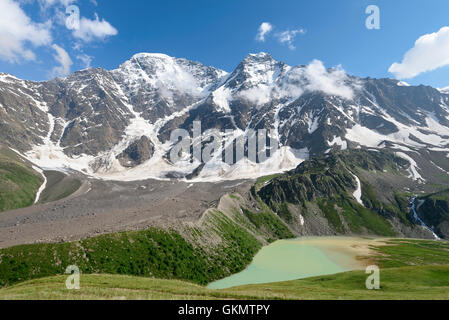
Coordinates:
(222,245)
(325,186)
(428,278)
(19,183)
(410,283)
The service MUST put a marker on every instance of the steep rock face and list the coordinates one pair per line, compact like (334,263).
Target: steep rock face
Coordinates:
(434,211)
(23,113)
(91,111)
(136,153)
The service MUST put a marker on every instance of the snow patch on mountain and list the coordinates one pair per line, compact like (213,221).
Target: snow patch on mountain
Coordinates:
(358,192)
(414,174)
(339,142)
(434,134)
(43,186)
(313,124)
(283,160)
(444,90)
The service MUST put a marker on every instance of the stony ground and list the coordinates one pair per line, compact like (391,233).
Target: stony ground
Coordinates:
(100,207)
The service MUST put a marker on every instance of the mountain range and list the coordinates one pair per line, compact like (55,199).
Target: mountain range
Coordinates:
(116,124)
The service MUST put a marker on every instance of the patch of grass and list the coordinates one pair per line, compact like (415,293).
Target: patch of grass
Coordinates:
(262,180)
(238,249)
(359,217)
(328,207)
(270,223)
(403,253)
(284,213)
(369,195)
(19,183)
(235,197)
(406,283)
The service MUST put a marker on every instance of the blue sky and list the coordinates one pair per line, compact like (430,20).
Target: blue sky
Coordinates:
(222,33)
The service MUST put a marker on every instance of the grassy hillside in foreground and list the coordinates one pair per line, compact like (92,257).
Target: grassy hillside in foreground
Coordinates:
(424,282)
(424,274)
(19,183)
(223,243)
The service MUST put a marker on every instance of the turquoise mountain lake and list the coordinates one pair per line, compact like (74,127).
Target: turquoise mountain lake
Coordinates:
(301,258)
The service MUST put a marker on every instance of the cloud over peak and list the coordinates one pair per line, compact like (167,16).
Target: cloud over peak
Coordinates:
(63,58)
(286,37)
(264,29)
(90,30)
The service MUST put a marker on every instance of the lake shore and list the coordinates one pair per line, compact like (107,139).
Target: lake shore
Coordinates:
(286,260)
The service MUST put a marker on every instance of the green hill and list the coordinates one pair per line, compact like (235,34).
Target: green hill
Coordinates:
(424,282)
(410,269)
(19,183)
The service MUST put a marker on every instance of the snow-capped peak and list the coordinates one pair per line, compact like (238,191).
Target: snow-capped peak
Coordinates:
(157,76)
(444,90)
(258,56)
(403,84)
(6,77)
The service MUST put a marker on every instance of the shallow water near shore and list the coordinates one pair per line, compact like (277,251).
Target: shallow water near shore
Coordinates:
(300,258)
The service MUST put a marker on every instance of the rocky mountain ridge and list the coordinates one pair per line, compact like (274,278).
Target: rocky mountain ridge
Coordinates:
(91,119)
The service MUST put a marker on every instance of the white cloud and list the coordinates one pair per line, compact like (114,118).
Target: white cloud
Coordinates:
(331,82)
(63,58)
(18,31)
(258,95)
(287,37)
(20,35)
(264,29)
(49,3)
(298,80)
(90,30)
(85,59)
(431,51)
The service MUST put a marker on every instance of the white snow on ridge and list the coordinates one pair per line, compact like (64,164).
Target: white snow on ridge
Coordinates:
(42,187)
(414,174)
(402,148)
(338,141)
(436,134)
(358,192)
(165,75)
(283,160)
(313,124)
(51,155)
(444,90)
